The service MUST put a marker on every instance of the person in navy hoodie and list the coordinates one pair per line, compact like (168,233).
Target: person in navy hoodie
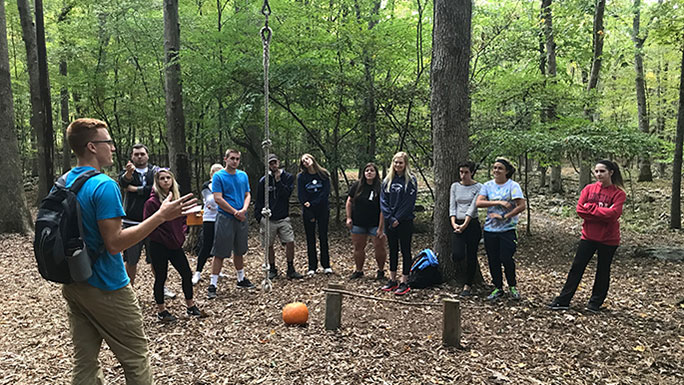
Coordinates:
(313,188)
(397,203)
(600,205)
(166,245)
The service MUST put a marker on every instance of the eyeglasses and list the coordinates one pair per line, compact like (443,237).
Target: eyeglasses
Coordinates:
(109,141)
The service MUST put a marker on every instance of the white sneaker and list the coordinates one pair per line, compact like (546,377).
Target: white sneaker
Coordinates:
(221,275)
(310,273)
(195,278)
(168,293)
(327,270)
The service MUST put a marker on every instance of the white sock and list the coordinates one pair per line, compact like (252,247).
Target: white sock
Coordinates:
(240,275)
(213,279)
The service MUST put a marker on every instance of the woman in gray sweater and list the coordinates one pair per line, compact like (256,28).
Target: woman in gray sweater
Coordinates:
(465,222)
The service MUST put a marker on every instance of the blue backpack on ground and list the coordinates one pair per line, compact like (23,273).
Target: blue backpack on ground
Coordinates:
(424,270)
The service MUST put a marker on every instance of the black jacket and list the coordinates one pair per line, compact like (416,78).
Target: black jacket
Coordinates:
(279,196)
(134,202)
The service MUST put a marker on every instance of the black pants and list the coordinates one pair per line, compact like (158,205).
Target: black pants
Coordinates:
(464,246)
(161,256)
(207,244)
(313,218)
(585,251)
(396,237)
(500,249)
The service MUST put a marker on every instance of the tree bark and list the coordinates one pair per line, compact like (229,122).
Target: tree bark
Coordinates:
(549,113)
(598,35)
(675,206)
(175,119)
(38,112)
(16,217)
(450,103)
(64,114)
(645,173)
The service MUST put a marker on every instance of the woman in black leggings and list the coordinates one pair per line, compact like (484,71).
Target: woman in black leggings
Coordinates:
(166,245)
(397,202)
(464,220)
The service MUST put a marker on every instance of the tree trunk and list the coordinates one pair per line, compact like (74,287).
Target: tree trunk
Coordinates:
(645,162)
(64,114)
(175,119)
(38,112)
(16,217)
(598,35)
(675,207)
(549,113)
(450,103)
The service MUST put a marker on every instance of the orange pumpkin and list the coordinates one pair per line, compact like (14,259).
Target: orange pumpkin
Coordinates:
(295,313)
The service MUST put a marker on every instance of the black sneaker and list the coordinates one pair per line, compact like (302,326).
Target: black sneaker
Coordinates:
(390,286)
(380,275)
(356,275)
(555,305)
(593,309)
(402,289)
(292,274)
(466,293)
(165,317)
(245,284)
(194,311)
(211,292)
(272,273)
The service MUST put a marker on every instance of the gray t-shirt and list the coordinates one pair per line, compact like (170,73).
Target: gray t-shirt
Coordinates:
(462,200)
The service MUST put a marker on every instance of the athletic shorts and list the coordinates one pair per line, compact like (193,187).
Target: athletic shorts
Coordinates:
(230,236)
(365,230)
(281,228)
(132,254)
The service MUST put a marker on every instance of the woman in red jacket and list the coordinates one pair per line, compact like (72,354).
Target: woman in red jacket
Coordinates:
(600,205)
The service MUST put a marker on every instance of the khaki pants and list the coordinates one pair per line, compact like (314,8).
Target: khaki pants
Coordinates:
(114,316)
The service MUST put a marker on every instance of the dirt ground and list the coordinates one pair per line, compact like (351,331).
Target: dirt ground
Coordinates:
(637,339)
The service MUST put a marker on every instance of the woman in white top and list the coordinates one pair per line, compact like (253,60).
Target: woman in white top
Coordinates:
(464,220)
(208,219)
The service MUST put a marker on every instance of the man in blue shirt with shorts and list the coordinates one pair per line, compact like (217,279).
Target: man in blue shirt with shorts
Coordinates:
(231,193)
(105,307)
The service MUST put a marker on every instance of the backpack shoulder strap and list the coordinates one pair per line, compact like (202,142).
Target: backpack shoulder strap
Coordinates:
(80,181)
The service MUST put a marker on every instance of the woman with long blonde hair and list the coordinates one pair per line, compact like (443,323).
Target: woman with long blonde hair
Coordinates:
(397,203)
(313,188)
(166,245)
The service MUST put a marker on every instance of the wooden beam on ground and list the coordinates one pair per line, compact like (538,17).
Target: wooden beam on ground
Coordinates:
(451,323)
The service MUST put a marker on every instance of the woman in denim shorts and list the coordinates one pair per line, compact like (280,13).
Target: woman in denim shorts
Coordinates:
(364,218)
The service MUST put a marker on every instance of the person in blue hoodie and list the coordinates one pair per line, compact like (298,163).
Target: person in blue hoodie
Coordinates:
(397,203)
(313,188)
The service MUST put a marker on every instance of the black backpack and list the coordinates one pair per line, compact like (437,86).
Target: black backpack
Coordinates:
(424,270)
(59,231)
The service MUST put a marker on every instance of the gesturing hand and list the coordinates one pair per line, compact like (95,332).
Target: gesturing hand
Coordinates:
(172,209)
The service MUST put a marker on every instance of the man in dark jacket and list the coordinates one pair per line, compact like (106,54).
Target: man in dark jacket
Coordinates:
(136,184)
(280,186)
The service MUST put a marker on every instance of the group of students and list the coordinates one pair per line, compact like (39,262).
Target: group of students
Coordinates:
(378,209)
(152,211)
(600,206)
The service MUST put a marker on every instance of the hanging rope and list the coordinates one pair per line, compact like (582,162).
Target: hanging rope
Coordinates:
(266,34)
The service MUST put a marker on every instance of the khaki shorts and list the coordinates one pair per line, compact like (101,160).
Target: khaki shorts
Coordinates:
(282,228)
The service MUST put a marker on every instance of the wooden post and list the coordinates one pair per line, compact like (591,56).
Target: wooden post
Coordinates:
(333,308)
(451,323)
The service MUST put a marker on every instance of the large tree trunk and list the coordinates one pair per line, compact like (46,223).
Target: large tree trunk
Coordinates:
(675,207)
(645,162)
(175,119)
(450,103)
(598,35)
(549,114)
(15,216)
(38,113)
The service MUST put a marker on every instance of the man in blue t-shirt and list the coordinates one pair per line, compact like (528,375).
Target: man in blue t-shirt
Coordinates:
(105,307)
(231,193)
